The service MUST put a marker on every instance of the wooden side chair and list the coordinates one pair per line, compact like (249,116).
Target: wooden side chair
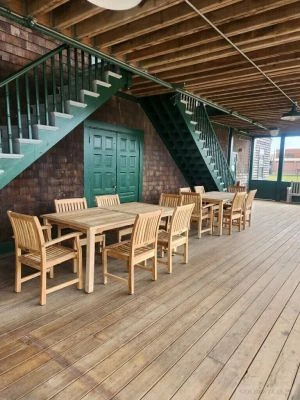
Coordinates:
(34,251)
(177,235)
(184,190)
(199,189)
(112,200)
(234,214)
(202,212)
(141,247)
(168,200)
(107,200)
(247,212)
(76,204)
(236,188)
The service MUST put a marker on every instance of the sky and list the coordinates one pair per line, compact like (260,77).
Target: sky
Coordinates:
(291,142)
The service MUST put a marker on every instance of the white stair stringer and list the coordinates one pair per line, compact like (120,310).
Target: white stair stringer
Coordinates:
(84,92)
(54,115)
(97,83)
(73,103)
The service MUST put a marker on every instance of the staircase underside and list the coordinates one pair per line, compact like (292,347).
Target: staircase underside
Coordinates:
(187,150)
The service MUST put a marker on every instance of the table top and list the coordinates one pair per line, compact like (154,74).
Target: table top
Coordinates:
(218,196)
(104,219)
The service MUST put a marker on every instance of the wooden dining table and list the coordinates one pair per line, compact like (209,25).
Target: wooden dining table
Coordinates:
(92,221)
(218,198)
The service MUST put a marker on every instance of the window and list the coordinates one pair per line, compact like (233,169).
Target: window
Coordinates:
(265,166)
(291,160)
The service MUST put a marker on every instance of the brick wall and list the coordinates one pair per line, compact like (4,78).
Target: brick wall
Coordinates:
(19,46)
(242,146)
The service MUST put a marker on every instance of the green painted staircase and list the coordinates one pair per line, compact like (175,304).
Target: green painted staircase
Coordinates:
(46,100)
(185,128)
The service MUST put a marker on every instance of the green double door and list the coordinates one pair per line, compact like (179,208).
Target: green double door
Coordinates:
(112,162)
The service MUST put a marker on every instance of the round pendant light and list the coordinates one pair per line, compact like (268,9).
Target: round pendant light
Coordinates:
(116,5)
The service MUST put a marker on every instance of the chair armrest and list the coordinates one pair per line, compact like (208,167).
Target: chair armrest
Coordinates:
(289,189)
(208,205)
(63,238)
(47,229)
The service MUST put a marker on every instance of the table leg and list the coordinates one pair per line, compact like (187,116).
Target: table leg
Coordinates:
(90,261)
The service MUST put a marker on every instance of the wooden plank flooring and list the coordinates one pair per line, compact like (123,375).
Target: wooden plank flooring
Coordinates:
(224,326)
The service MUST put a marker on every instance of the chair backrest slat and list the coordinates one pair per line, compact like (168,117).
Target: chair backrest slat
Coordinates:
(295,187)
(145,229)
(170,200)
(181,219)
(73,204)
(107,200)
(234,189)
(192,198)
(27,231)
(250,198)
(238,201)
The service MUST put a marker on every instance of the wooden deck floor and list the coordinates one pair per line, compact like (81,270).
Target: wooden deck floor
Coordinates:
(225,326)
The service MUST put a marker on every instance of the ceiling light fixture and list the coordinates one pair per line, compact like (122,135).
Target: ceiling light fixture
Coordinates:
(274,131)
(292,115)
(116,5)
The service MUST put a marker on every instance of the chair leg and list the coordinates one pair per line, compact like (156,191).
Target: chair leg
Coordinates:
(154,268)
(199,228)
(230,226)
(170,264)
(186,252)
(43,282)
(104,263)
(78,261)
(18,276)
(131,279)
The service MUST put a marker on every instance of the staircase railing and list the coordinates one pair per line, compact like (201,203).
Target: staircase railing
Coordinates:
(28,96)
(203,127)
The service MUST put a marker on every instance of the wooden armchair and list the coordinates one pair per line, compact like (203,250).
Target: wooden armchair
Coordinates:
(177,235)
(141,247)
(112,200)
(75,204)
(236,188)
(202,212)
(234,213)
(247,212)
(168,200)
(34,251)
(293,190)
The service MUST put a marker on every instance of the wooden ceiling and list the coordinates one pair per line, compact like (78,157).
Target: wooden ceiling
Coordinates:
(170,40)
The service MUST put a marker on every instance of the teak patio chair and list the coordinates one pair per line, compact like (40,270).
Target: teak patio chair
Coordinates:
(234,213)
(76,204)
(236,188)
(112,200)
(168,200)
(247,212)
(34,251)
(177,235)
(202,212)
(141,247)
(199,189)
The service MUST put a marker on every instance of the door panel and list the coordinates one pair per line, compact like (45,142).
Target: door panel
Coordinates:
(101,163)
(112,163)
(127,167)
